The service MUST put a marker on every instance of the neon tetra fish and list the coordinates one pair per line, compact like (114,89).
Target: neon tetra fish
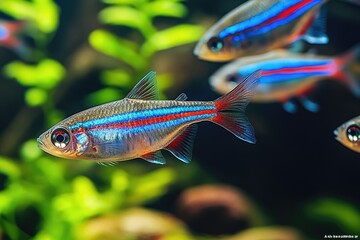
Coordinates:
(348,134)
(259,26)
(9,36)
(286,75)
(140,125)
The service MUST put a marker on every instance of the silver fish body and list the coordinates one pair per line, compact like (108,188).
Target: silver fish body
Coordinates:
(139,126)
(258,26)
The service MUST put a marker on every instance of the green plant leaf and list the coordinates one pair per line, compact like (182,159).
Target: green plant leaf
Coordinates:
(35,97)
(18,9)
(172,37)
(127,16)
(164,8)
(117,78)
(114,46)
(9,167)
(104,95)
(164,81)
(119,181)
(125,2)
(151,185)
(47,74)
(30,150)
(344,214)
(54,117)
(83,202)
(47,15)
(44,13)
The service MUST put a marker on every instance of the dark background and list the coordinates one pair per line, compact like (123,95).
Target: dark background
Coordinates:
(296,159)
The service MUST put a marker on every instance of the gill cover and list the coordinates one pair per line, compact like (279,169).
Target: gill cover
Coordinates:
(82,143)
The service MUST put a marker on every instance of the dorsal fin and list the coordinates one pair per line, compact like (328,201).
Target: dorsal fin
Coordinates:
(181,97)
(154,157)
(146,88)
(182,146)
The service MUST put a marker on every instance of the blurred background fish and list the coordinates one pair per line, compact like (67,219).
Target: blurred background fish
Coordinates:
(140,125)
(11,36)
(257,26)
(348,134)
(287,75)
(296,183)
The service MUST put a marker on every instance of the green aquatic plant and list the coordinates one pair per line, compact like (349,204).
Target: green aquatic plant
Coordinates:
(62,199)
(42,197)
(147,39)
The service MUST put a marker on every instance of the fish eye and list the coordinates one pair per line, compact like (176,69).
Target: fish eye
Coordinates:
(60,138)
(233,77)
(353,133)
(215,44)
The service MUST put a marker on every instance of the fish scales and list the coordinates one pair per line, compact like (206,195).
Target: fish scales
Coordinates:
(275,15)
(258,26)
(289,69)
(139,126)
(145,124)
(286,75)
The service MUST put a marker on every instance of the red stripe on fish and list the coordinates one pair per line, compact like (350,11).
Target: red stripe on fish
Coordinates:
(295,70)
(161,119)
(286,12)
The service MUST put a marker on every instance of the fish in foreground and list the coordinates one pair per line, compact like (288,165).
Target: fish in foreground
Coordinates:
(140,125)
(348,134)
(286,75)
(10,32)
(259,26)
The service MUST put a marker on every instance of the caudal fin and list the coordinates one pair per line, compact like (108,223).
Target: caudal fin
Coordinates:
(11,35)
(231,108)
(349,69)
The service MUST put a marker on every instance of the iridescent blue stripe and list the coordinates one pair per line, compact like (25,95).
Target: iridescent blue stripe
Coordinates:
(274,65)
(139,115)
(278,64)
(275,10)
(97,132)
(3,33)
(277,78)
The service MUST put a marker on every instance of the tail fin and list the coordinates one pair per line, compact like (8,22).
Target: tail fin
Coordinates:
(349,69)
(231,108)
(13,37)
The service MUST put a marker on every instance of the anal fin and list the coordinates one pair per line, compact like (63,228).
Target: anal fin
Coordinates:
(182,146)
(154,157)
(289,106)
(309,105)
(107,164)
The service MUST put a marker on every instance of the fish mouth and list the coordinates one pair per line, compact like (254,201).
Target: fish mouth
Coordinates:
(336,133)
(41,145)
(196,51)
